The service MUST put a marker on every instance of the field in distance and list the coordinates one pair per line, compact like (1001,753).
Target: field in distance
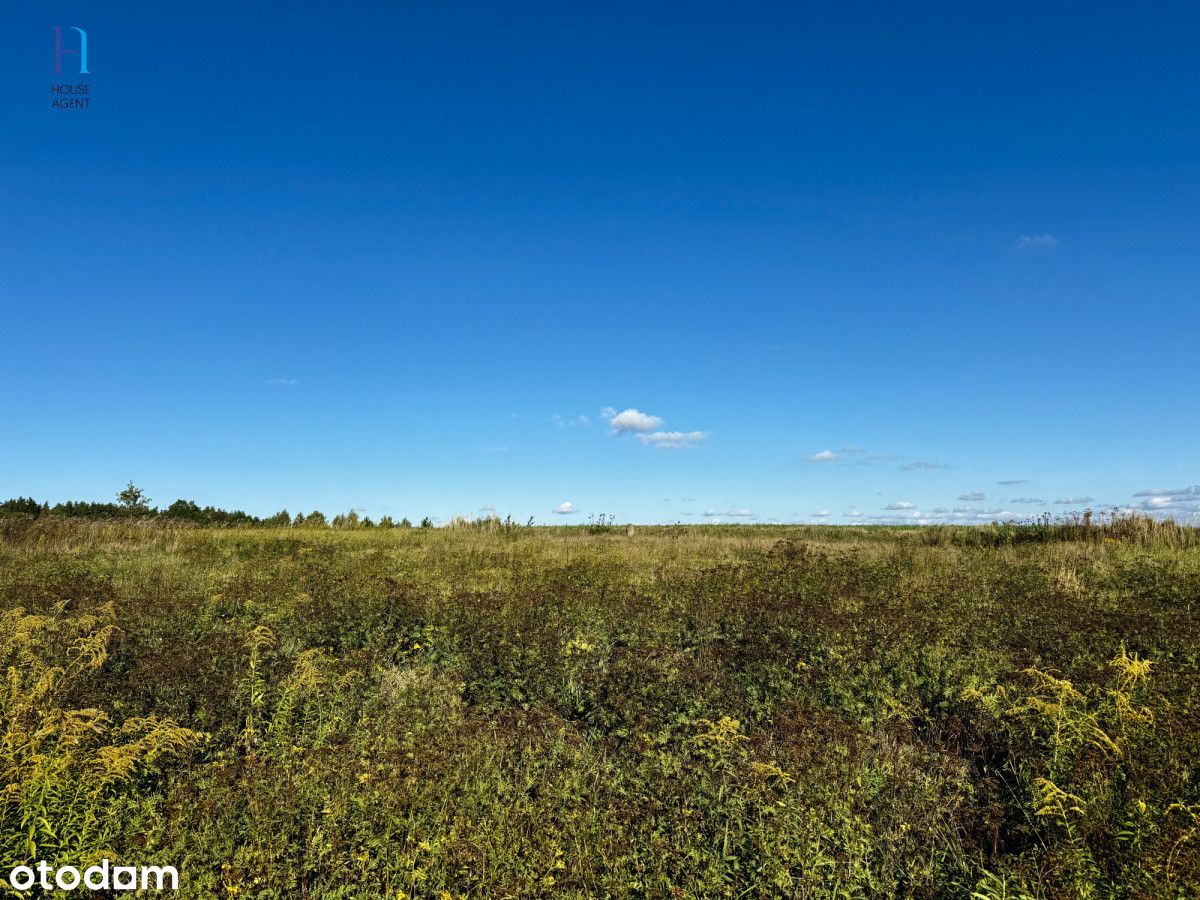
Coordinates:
(695,712)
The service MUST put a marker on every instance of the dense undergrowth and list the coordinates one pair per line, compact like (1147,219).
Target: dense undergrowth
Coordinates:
(678,712)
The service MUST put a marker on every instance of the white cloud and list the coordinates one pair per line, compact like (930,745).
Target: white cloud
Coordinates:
(922,464)
(1178,503)
(282,382)
(579,421)
(1190,491)
(1011,481)
(973,496)
(630,421)
(903,504)
(1027,500)
(822,514)
(566,508)
(644,426)
(823,456)
(912,516)
(1074,501)
(667,440)
(733,513)
(1034,243)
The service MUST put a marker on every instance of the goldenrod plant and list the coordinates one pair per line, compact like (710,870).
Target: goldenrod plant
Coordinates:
(70,774)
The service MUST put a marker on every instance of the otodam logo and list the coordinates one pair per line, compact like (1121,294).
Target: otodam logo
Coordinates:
(67,95)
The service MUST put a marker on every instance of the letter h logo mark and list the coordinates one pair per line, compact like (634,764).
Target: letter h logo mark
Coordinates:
(81,52)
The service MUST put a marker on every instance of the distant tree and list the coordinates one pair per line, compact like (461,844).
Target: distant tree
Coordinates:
(23,506)
(133,499)
(346,520)
(366,522)
(184,509)
(315,519)
(404,523)
(427,522)
(281,519)
(299,520)
(83,509)
(386,522)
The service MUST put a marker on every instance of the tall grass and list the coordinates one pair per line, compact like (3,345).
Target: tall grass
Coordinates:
(489,710)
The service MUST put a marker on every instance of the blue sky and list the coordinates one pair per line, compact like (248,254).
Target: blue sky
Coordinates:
(846,262)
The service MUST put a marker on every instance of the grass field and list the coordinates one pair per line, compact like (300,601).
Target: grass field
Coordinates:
(536,712)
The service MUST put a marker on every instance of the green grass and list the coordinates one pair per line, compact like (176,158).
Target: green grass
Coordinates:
(537,712)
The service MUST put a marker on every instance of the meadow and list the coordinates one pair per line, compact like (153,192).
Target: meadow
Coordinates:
(496,711)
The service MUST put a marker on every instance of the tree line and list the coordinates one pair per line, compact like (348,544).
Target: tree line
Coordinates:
(132,502)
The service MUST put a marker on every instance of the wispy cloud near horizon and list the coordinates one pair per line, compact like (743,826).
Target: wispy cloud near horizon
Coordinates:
(921,464)
(1035,243)
(667,440)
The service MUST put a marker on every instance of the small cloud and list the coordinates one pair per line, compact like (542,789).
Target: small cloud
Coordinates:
(667,440)
(1012,481)
(733,513)
(1074,501)
(630,421)
(973,496)
(1180,503)
(903,504)
(1035,243)
(922,464)
(1190,491)
(823,456)
(1037,500)
(282,382)
(822,514)
(580,421)
(566,508)
(911,516)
